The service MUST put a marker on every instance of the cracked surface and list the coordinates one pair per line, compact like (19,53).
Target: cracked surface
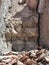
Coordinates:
(27,25)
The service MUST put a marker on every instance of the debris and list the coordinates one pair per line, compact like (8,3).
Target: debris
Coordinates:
(47,59)
(19,63)
(32,57)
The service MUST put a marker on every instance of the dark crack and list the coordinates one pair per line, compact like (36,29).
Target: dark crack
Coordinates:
(38,23)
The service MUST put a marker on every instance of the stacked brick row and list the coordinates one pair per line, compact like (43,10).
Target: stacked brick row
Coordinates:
(22,29)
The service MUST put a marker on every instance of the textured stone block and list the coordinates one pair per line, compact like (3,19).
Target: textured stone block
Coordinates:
(31,21)
(18,45)
(8,35)
(30,44)
(31,32)
(18,28)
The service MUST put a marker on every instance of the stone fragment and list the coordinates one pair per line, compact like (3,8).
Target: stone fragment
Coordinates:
(30,62)
(7,60)
(2,63)
(8,35)
(33,54)
(41,57)
(23,53)
(16,21)
(47,59)
(13,31)
(18,28)
(11,59)
(31,32)
(19,35)
(40,63)
(14,53)
(20,63)
(24,58)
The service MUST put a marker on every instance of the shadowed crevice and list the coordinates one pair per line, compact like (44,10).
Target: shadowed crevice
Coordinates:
(38,24)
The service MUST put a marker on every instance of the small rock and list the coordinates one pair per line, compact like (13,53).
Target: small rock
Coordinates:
(8,34)
(47,59)
(41,57)
(40,63)
(24,58)
(29,62)
(33,54)
(20,63)
(1,63)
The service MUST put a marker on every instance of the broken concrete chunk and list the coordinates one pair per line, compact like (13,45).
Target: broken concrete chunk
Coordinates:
(29,62)
(2,63)
(47,59)
(20,63)
(24,58)
(33,54)
(40,57)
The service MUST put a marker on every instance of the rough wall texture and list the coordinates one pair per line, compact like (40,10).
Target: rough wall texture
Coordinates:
(21,22)
(4,4)
(22,27)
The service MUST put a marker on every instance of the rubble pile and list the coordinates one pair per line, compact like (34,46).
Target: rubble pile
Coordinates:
(33,57)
